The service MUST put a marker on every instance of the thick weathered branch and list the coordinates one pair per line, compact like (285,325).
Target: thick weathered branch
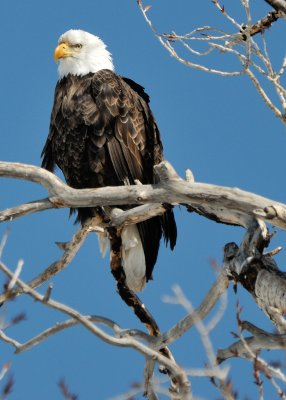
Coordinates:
(227,205)
(258,273)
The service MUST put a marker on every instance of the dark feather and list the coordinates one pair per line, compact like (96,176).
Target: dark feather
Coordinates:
(103,133)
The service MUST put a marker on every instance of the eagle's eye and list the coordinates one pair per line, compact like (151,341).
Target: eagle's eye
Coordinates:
(78,46)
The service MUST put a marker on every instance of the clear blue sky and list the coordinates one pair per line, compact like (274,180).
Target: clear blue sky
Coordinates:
(218,127)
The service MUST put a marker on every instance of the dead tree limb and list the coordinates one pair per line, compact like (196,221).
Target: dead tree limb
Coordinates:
(223,204)
(258,273)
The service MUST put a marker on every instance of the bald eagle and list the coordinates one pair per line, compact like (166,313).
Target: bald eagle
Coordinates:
(103,133)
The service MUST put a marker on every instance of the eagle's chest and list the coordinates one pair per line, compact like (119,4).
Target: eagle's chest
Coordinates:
(74,139)
(69,120)
(70,144)
(70,156)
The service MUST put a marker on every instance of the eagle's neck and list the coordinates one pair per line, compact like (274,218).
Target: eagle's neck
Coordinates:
(90,63)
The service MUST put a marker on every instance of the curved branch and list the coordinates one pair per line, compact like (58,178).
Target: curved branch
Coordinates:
(32,173)
(60,326)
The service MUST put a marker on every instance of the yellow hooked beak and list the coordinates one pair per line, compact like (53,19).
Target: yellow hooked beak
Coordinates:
(63,50)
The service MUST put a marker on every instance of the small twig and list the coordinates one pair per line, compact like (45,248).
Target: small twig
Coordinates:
(4,370)
(17,273)
(48,293)
(3,242)
(166,44)
(264,96)
(225,14)
(70,251)
(65,391)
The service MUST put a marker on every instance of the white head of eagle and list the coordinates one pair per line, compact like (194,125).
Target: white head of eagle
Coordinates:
(103,133)
(80,53)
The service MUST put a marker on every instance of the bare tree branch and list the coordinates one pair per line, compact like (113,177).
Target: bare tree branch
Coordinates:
(253,58)
(226,205)
(176,372)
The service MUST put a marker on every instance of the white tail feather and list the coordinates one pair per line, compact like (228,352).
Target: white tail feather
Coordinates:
(103,243)
(133,257)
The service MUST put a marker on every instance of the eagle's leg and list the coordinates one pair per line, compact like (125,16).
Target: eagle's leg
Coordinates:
(128,296)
